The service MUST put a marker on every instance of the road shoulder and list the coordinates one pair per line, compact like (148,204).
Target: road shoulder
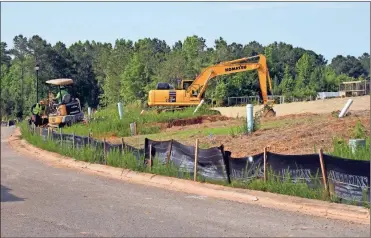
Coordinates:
(283,202)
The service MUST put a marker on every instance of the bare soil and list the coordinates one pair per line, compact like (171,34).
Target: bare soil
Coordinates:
(318,106)
(291,134)
(300,134)
(180,123)
(298,128)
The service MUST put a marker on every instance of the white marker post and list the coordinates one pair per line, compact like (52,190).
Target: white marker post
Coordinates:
(89,113)
(121,113)
(345,109)
(199,105)
(250,117)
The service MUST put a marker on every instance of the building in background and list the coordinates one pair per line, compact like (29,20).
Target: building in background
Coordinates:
(354,88)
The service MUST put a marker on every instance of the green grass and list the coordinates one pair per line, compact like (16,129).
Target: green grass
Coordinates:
(342,148)
(106,121)
(114,158)
(276,184)
(183,134)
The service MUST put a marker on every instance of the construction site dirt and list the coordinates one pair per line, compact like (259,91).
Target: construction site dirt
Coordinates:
(291,134)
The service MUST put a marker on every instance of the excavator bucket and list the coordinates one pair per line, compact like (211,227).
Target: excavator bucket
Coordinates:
(267,111)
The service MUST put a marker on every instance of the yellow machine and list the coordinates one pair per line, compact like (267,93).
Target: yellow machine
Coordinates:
(46,112)
(191,92)
(67,112)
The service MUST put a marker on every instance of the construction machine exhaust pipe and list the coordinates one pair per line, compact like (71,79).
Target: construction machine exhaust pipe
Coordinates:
(199,105)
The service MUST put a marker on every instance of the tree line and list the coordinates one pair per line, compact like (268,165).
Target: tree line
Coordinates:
(104,73)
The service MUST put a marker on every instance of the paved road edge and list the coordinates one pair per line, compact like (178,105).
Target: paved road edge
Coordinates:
(283,202)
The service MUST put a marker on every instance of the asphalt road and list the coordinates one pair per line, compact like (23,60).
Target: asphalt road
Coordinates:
(38,200)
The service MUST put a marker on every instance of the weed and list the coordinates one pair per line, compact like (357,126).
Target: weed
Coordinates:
(342,149)
(284,185)
(232,132)
(359,131)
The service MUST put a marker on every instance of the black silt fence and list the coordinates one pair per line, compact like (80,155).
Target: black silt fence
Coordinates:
(246,169)
(348,180)
(297,168)
(211,163)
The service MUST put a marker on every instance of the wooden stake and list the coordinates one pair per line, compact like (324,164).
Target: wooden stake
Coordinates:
(265,164)
(73,141)
(135,128)
(196,161)
(48,133)
(323,169)
(89,137)
(169,154)
(104,151)
(150,156)
(122,145)
(60,134)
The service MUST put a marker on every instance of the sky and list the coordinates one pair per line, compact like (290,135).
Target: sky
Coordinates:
(329,29)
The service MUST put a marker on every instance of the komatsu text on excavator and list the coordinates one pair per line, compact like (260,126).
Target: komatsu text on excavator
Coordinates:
(192,92)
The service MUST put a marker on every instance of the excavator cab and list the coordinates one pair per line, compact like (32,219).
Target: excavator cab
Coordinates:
(185,84)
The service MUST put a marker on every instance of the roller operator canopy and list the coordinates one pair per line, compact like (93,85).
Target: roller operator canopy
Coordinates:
(60,82)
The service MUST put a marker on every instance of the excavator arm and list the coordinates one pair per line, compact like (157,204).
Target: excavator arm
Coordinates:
(200,84)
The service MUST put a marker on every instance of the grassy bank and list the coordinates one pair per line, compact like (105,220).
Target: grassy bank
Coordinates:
(107,121)
(129,161)
(342,148)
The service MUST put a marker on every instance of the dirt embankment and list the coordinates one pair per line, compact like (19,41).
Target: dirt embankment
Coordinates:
(299,133)
(290,134)
(190,121)
(294,134)
(318,106)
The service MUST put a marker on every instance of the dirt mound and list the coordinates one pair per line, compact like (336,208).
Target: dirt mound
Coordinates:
(196,120)
(190,121)
(184,122)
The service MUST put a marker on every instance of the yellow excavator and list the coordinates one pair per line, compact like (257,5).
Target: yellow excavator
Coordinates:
(191,92)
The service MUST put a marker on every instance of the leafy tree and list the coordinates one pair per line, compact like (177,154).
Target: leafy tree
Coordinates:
(220,93)
(287,85)
(127,71)
(349,65)
(365,62)
(86,84)
(5,54)
(304,87)
(193,52)
(122,53)
(133,81)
